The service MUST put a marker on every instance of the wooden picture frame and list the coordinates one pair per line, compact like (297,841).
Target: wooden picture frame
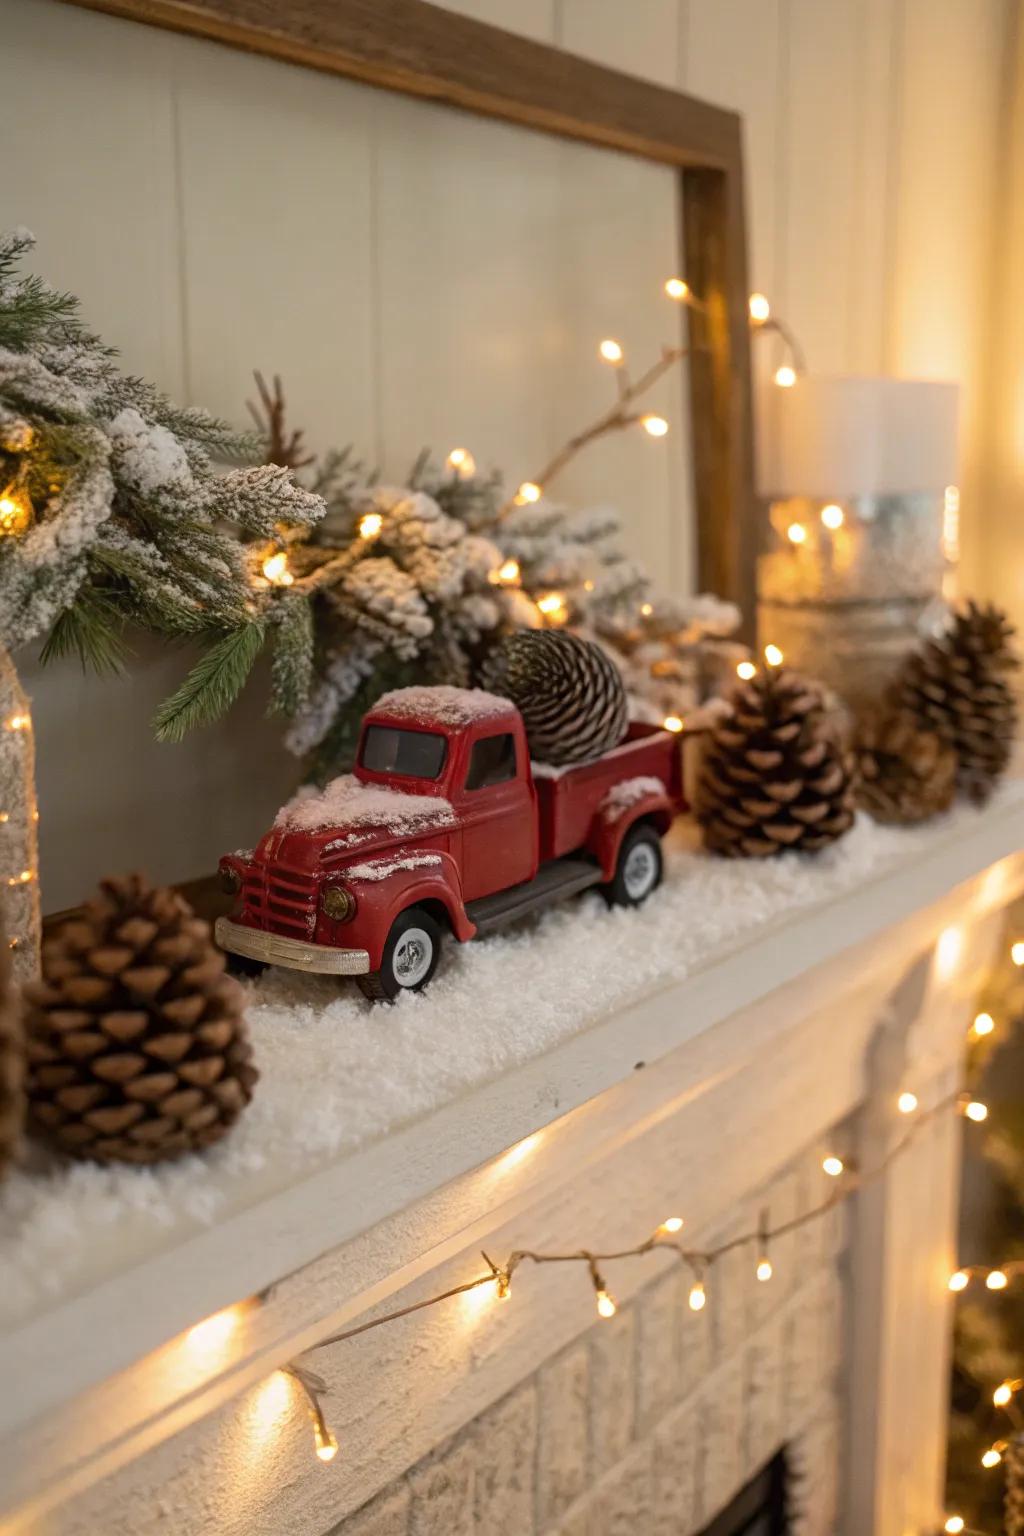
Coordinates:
(418,49)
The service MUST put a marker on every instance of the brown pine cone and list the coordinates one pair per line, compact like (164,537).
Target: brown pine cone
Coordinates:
(12,1058)
(137,1048)
(773,776)
(905,774)
(957,687)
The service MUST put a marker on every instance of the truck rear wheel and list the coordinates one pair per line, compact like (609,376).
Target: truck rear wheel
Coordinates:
(639,868)
(410,957)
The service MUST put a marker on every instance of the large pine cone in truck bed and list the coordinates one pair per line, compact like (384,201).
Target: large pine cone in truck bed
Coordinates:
(570,694)
(137,1048)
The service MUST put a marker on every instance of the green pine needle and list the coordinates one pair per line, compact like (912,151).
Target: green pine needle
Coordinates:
(90,630)
(213,684)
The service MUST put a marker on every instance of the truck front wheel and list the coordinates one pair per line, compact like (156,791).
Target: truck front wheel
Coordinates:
(639,868)
(410,957)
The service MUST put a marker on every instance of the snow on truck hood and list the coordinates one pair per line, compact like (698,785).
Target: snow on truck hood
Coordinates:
(348,803)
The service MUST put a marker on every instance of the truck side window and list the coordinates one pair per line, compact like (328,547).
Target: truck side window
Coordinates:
(492,761)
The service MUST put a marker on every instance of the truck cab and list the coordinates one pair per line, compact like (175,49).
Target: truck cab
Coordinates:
(443,827)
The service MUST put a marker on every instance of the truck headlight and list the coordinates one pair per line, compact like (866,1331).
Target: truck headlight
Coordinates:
(338,903)
(230,880)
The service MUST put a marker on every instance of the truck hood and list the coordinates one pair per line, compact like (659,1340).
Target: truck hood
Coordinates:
(349,816)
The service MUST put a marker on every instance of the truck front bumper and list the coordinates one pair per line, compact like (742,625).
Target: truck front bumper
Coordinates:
(275,949)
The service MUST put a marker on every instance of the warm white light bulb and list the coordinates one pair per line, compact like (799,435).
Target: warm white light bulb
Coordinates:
(785,377)
(463,462)
(983,1024)
(18,723)
(645,608)
(606,1304)
(1002,1394)
(506,574)
(677,289)
(959,1280)
(833,516)
(833,1166)
(654,426)
(764,1269)
(370,525)
(906,1103)
(672,1224)
(760,309)
(610,350)
(796,533)
(976,1111)
(954,1525)
(1017,952)
(551,602)
(528,491)
(997,1280)
(698,1296)
(991,1458)
(673,723)
(773,656)
(746,670)
(275,569)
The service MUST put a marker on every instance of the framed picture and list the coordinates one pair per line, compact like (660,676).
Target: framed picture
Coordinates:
(418,49)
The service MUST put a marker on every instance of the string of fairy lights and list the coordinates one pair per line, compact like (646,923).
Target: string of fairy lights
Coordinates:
(497,1277)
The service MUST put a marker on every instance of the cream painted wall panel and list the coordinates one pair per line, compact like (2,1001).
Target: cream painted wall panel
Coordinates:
(877,89)
(1003,441)
(530,18)
(821,114)
(734,57)
(89,168)
(277,237)
(504,259)
(643,38)
(944,235)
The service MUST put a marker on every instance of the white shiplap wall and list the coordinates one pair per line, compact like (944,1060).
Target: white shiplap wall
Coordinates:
(418,276)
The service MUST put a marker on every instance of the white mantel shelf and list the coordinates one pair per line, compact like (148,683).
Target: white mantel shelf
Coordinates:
(379,1205)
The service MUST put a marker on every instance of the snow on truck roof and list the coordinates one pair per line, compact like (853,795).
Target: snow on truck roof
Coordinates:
(443,705)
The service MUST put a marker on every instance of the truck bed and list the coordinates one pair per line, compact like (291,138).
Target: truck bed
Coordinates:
(569,798)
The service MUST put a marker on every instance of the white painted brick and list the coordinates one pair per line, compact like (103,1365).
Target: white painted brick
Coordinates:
(442,1492)
(623,1501)
(612,1388)
(782,1201)
(674,1510)
(815,1465)
(695,1340)
(765,1430)
(506,1440)
(729,1286)
(720,1414)
(562,1453)
(659,1310)
(386,1515)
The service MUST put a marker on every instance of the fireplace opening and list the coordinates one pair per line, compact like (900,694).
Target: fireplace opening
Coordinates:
(759,1509)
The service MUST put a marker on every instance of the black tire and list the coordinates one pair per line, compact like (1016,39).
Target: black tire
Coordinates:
(639,869)
(384,986)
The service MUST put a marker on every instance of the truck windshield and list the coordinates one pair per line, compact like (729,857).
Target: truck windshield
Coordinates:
(413,754)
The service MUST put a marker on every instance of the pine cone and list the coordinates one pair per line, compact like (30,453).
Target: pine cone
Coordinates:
(136,1044)
(12,1099)
(905,773)
(570,694)
(957,687)
(773,777)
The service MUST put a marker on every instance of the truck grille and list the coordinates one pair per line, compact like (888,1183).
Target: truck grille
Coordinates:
(282,900)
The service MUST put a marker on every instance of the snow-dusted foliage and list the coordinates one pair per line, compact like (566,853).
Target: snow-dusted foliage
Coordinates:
(417,582)
(110,511)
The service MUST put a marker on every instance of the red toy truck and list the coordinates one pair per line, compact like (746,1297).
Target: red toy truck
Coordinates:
(445,827)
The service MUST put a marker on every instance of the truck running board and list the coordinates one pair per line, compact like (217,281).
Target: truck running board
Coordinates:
(552,882)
